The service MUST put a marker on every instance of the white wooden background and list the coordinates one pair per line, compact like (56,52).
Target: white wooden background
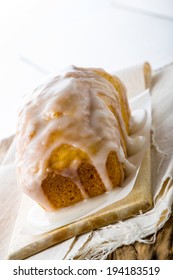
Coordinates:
(41,36)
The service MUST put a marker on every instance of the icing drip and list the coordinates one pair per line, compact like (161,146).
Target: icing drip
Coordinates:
(72,109)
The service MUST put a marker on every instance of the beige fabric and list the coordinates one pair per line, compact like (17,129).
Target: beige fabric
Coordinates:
(9,201)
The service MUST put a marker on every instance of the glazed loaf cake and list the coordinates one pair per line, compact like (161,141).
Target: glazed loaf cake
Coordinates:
(72,138)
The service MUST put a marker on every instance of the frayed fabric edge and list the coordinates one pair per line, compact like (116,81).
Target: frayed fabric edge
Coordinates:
(104,241)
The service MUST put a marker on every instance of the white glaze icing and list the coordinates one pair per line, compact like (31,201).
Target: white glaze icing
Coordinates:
(69,103)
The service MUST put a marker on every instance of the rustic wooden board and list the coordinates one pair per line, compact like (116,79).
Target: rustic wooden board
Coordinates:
(139,199)
(162,249)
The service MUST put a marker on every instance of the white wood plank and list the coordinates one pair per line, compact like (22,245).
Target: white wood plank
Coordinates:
(100,36)
(162,8)
(16,80)
(53,34)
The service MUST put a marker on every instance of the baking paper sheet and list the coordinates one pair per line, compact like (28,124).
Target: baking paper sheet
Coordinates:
(39,221)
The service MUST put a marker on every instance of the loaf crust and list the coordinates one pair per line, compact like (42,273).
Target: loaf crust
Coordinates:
(72,138)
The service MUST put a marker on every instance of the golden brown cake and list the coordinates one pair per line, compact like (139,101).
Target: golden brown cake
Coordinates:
(72,138)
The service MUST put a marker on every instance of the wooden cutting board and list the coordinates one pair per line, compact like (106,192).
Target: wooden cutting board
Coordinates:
(139,199)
